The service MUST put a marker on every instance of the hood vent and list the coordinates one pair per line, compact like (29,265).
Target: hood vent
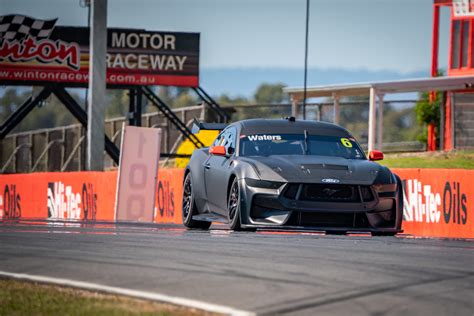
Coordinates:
(325,166)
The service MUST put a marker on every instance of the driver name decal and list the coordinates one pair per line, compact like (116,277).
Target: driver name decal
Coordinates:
(264,137)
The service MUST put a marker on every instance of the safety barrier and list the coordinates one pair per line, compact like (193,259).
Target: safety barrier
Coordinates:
(81,196)
(436,202)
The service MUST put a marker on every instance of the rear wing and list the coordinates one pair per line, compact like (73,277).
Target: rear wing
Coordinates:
(202,126)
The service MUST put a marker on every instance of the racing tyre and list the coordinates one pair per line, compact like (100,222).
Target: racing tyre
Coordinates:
(189,206)
(233,206)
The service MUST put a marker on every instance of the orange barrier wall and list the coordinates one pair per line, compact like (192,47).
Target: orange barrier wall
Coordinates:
(438,202)
(81,196)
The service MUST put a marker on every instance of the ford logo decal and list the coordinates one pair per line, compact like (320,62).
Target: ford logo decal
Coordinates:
(328,180)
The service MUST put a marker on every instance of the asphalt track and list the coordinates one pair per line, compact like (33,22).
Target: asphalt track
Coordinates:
(263,272)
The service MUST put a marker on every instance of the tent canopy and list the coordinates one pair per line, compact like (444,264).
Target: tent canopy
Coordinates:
(377,90)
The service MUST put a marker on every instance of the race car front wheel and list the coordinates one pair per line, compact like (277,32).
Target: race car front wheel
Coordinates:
(233,206)
(189,206)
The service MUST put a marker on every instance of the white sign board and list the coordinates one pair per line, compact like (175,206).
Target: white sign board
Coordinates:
(138,173)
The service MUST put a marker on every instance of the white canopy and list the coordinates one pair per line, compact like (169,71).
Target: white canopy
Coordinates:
(379,89)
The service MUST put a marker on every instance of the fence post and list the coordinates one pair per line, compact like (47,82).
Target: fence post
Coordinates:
(371,141)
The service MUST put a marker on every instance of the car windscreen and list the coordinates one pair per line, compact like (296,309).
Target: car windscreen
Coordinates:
(299,144)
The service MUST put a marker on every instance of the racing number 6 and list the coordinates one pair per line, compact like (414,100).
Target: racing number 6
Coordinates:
(346,142)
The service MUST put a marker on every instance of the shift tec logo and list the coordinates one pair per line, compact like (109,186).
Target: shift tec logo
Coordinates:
(263,137)
(64,203)
(421,204)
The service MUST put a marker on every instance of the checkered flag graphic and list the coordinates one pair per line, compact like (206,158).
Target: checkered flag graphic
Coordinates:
(17,27)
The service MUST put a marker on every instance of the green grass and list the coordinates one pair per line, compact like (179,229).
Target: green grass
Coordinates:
(25,298)
(447,160)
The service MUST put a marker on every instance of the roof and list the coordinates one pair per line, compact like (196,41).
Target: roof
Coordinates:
(284,126)
(383,87)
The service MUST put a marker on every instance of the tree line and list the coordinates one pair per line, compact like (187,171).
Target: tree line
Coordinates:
(400,123)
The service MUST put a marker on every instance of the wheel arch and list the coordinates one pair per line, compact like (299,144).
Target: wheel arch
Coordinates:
(232,177)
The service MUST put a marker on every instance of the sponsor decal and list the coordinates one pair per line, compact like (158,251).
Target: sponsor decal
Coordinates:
(89,201)
(165,199)
(329,180)
(10,207)
(422,204)
(65,203)
(254,138)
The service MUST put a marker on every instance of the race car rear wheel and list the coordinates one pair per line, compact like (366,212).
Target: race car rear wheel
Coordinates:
(189,206)
(233,206)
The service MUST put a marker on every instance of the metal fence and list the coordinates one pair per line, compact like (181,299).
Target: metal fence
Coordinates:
(463,120)
(64,148)
(401,131)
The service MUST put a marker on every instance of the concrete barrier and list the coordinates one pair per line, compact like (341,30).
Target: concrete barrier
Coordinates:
(437,202)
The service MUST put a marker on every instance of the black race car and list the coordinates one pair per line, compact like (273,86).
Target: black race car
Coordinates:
(290,173)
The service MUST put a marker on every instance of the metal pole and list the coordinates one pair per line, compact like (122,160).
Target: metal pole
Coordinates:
(97,86)
(373,94)
(306,59)
(335,99)
(380,123)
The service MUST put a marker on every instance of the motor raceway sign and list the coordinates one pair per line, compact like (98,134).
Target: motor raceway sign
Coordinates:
(34,51)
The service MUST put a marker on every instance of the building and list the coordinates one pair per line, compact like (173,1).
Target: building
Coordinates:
(459,105)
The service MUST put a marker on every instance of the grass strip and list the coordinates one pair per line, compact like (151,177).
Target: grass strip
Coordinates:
(446,160)
(29,298)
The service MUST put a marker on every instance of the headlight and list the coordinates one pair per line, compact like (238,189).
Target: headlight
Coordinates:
(382,188)
(263,184)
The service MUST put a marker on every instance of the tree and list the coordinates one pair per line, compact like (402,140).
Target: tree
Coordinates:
(428,112)
(268,93)
(117,103)
(50,113)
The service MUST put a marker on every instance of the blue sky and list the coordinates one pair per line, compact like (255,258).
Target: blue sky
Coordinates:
(369,35)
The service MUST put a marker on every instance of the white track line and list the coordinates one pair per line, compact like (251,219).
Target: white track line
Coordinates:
(133,293)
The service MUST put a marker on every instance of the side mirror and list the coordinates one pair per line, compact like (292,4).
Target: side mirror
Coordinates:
(217,150)
(375,155)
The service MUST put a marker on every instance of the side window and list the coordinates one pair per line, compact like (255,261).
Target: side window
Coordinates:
(217,140)
(226,138)
(231,138)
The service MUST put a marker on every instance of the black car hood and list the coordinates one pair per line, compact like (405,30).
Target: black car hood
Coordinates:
(315,169)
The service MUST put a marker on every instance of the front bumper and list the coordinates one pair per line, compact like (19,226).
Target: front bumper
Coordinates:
(313,206)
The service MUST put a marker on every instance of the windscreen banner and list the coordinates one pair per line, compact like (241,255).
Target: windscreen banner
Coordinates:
(34,51)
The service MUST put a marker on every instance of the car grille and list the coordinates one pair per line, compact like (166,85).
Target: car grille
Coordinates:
(328,192)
